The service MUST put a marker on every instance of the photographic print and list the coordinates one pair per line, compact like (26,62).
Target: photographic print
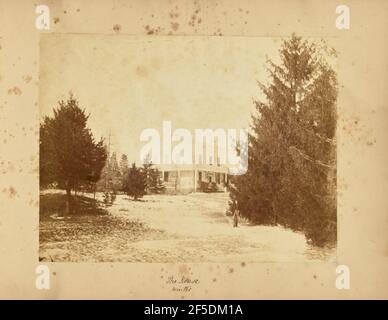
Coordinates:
(193,150)
(138,139)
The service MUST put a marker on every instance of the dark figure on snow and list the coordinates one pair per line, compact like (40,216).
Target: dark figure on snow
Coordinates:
(236,214)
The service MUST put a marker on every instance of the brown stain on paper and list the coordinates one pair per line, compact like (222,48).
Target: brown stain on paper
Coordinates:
(117,28)
(12,193)
(14,91)
(141,71)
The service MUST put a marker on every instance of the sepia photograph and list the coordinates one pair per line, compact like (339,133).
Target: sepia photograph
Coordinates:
(187,149)
(195,157)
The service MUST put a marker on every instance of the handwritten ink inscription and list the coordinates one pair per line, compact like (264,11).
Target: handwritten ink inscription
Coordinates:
(182,284)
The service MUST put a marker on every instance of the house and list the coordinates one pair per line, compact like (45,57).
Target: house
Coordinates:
(202,174)
(194,178)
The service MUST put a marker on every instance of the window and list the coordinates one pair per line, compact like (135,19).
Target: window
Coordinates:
(165,176)
(199,176)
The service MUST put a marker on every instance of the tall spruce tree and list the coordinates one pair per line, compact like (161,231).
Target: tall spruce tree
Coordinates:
(291,178)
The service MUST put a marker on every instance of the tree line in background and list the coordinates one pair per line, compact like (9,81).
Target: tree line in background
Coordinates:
(291,178)
(71,159)
(134,181)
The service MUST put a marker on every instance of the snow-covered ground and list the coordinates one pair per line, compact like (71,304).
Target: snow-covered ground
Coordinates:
(198,230)
(171,228)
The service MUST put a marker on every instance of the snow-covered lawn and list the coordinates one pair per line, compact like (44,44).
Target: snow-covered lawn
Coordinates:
(183,228)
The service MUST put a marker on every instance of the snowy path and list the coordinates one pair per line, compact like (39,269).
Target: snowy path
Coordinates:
(197,230)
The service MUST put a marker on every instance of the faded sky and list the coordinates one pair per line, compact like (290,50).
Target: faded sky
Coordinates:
(130,83)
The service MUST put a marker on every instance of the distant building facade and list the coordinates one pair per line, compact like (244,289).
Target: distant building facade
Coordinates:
(194,178)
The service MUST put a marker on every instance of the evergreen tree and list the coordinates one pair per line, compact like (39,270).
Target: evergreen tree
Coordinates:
(135,183)
(111,176)
(114,164)
(124,165)
(69,155)
(115,173)
(105,181)
(154,183)
(291,178)
(98,161)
